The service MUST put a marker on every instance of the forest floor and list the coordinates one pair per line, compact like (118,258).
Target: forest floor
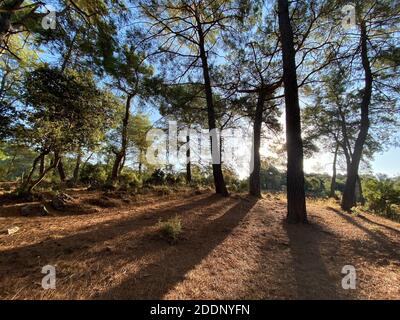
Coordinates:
(230,248)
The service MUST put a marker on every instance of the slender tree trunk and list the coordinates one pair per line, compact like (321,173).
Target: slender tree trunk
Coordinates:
(87,160)
(121,166)
(333,181)
(254,182)
(10,166)
(188,160)
(221,146)
(30,175)
(68,54)
(61,171)
(42,162)
(140,162)
(295,174)
(219,182)
(115,169)
(77,166)
(55,164)
(360,195)
(124,141)
(349,198)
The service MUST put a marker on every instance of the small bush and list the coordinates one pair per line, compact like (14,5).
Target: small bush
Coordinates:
(94,174)
(157,177)
(338,195)
(162,190)
(382,197)
(357,210)
(170,229)
(129,179)
(175,178)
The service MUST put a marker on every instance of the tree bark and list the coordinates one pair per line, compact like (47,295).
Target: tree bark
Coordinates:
(10,166)
(77,166)
(42,162)
(124,141)
(140,162)
(30,175)
(188,162)
(55,164)
(61,171)
(254,181)
(296,202)
(121,166)
(219,182)
(359,193)
(349,197)
(333,181)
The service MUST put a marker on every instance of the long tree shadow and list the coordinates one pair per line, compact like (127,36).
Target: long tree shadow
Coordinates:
(380,238)
(397,231)
(313,280)
(66,248)
(381,247)
(156,279)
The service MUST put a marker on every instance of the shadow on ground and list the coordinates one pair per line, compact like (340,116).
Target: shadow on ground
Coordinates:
(150,283)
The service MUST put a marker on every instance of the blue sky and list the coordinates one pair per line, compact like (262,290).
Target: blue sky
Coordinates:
(386,162)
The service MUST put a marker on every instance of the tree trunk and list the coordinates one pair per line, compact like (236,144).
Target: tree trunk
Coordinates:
(121,166)
(87,160)
(61,171)
(219,182)
(10,166)
(115,169)
(140,162)
(42,162)
(359,193)
(188,162)
(68,54)
(77,166)
(254,182)
(124,141)
(55,164)
(30,175)
(349,198)
(296,202)
(333,181)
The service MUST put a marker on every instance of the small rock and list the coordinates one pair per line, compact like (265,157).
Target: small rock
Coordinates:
(34,209)
(12,230)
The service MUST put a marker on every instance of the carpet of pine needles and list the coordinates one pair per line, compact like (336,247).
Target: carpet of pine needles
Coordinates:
(230,248)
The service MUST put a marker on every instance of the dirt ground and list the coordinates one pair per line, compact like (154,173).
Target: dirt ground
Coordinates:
(230,248)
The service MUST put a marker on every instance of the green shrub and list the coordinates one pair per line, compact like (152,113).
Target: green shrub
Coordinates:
(170,229)
(357,210)
(94,174)
(175,178)
(315,186)
(162,190)
(382,197)
(160,177)
(157,177)
(129,179)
